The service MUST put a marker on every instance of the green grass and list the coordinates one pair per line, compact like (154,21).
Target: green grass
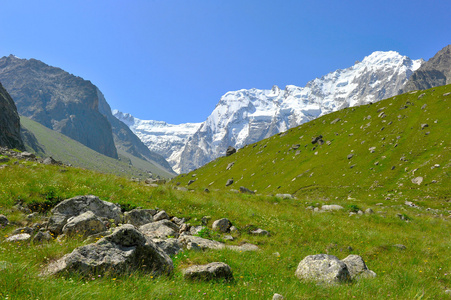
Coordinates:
(69,151)
(421,271)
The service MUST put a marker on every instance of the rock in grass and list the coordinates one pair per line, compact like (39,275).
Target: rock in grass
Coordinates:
(230,150)
(222,225)
(245,190)
(277,297)
(417,180)
(357,267)
(211,271)
(21,237)
(85,224)
(139,217)
(170,246)
(3,220)
(323,268)
(162,215)
(260,232)
(41,237)
(229,182)
(160,229)
(331,207)
(75,206)
(126,250)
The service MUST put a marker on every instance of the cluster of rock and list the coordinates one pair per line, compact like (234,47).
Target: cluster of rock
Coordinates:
(145,241)
(6,154)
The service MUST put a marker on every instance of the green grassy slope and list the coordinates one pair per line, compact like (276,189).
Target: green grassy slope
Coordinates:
(403,151)
(69,151)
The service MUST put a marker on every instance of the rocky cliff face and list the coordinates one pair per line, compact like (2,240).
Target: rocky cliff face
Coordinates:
(247,116)
(126,140)
(160,137)
(59,101)
(9,122)
(435,72)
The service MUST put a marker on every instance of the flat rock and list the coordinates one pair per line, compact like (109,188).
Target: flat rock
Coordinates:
(162,215)
(170,246)
(211,271)
(126,250)
(201,242)
(84,224)
(21,237)
(332,207)
(417,180)
(261,232)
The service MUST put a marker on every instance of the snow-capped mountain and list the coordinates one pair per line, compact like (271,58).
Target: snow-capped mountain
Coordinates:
(160,137)
(247,116)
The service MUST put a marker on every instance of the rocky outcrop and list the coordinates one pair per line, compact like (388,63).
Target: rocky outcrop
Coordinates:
(9,122)
(435,72)
(126,250)
(59,101)
(323,268)
(215,270)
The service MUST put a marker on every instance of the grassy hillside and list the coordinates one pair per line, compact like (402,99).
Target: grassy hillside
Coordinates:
(388,145)
(69,151)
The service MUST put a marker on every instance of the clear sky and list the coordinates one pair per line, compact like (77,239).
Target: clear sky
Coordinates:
(172,60)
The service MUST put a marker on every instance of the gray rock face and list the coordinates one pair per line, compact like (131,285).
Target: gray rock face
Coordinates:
(162,215)
(230,150)
(357,267)
(139,217)
(42,236)
(75,206)
(170,246)
(160,229)
(84,224)
(215,270)
(323,268)
(9,122)
(222,225)
(59,101)
(126,250)
(435,72)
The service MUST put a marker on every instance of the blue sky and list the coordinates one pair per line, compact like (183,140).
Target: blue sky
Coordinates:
(173,60)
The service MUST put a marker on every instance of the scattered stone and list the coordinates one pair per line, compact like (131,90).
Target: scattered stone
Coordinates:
(124,251)
(49,161)
(350,156)
(191,182)
(229,166)
(26,154)
(260,232)
(211,271)
(194,230)
(357,267)
(139,217)
(20,230)
(21,237)
(400,246)
(323,268)
(233,229)
(295,147)
(228,238)
(162,215)
(284,196)
(372,149)
(369,211)
(421,96)
(277,297)
(335,121)
(446,94)
(417,180)
(201,243)
(42,236)
(230,150)
(229,182)
(245,190)
(222,225)
(423,126)
(160,229)
(3,220)
(331,207)
(316,139)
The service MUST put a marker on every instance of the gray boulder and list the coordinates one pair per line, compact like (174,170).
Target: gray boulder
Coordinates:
(222,225)
(162,215)
(49,161)
(124,251)
(211,271)
(21,237)
(20,230)
(230,150)
(357,267)
(417,180)
(323,268)
(139,217)
(196,229)
(85,224)
(160,229)
(202,243)
(260,232)
(331,207)
(3,220)
(42,236)
(277,297)
(75,206)
(284,196)
(229,182)
(170,246)
(245,190)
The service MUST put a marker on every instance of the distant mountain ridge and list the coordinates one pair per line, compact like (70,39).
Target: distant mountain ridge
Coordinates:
(247,116)
(72,106)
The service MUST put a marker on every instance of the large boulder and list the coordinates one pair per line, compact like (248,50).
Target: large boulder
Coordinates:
(323,268)
(230,150)
(75,206)
(125,250)
(85,224)
(139,217)
(357,267)
(160,229)
(222,225)
(170,246)
(211,271)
